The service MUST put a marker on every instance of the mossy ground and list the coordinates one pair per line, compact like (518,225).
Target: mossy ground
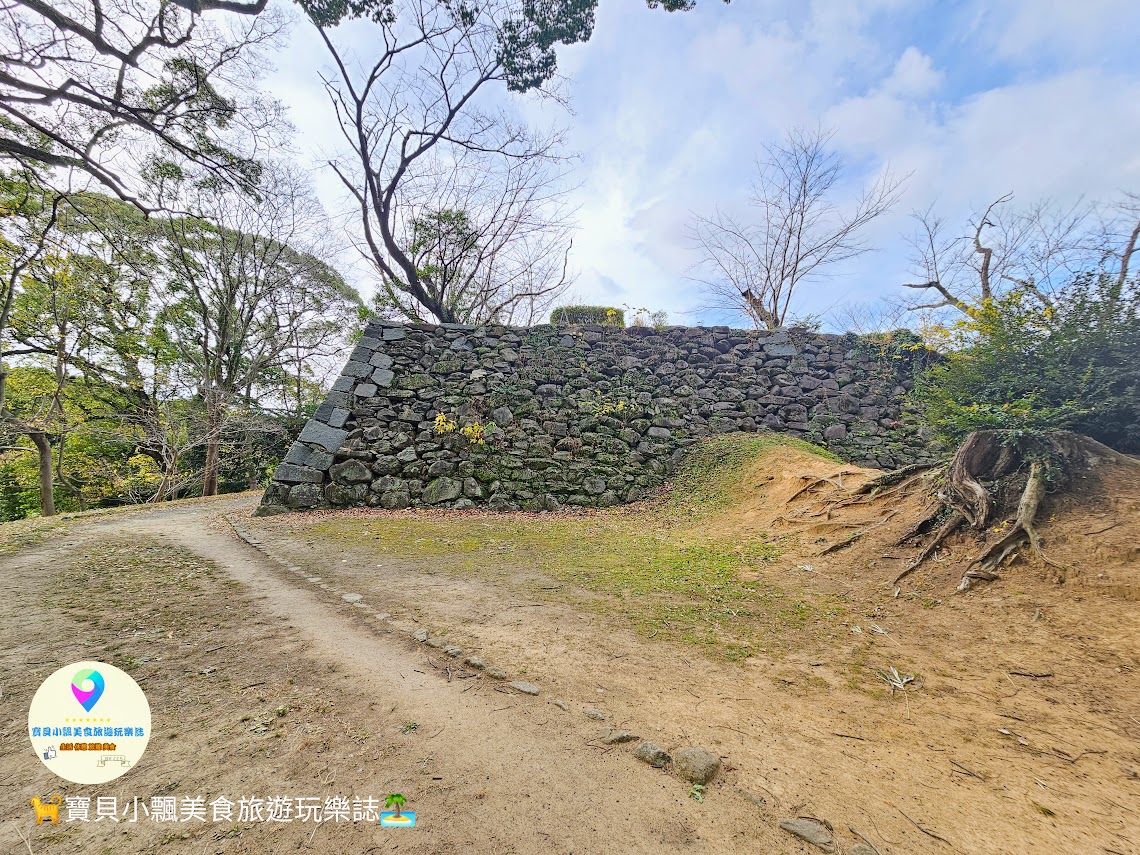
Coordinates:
(669,565)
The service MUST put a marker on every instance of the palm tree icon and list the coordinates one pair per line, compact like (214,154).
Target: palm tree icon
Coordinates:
(397,801)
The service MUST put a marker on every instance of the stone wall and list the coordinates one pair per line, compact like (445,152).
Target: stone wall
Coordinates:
(585,415)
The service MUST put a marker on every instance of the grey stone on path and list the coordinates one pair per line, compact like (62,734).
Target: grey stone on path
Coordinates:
(617,737)
(420,635)
(352,598)
(810,830)
(861,849)
(652,754)
(696,765)
(562,705)
(452,650)
(524,687)
(595,714)
(497,672)
(438,643)
(474,662)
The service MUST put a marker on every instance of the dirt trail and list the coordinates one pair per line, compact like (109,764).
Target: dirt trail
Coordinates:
(1022,737)
(504,776)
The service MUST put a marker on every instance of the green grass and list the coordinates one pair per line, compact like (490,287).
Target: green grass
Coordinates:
(710,476)
(659,565)
(16,535)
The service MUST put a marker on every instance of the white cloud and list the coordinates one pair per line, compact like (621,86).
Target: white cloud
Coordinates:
(913,75)
(671,110)
(1026,30)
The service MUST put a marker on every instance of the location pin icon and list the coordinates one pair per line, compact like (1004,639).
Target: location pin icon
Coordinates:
(87,697)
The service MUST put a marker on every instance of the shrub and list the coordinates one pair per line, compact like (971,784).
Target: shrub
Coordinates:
(1024,366)
(605,315)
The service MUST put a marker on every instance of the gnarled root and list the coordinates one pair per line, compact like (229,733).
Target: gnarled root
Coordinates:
(811,485)
(857,536)
(980,453)
(889,479)
(948,528)
(933,512)
(985,566)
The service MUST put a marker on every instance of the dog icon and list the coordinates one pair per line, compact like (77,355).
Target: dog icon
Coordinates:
(48,810)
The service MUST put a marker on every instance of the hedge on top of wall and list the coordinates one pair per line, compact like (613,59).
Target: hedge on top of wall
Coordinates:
(607,316)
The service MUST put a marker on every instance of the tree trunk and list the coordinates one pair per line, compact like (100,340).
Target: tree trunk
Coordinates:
(43,449)
(210,475)
(213,443)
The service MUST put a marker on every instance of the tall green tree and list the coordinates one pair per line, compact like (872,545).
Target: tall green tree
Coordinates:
(246,295)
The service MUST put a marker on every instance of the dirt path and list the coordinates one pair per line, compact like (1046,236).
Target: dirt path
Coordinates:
(486,770)
(264,681)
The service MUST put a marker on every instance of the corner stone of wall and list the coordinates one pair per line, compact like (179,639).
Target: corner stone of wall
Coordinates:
(583,415)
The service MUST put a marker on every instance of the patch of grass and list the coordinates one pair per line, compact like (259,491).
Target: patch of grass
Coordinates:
(14,536)
(659,565)
(711,474)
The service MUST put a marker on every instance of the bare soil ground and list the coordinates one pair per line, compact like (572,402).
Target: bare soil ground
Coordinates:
(706,618)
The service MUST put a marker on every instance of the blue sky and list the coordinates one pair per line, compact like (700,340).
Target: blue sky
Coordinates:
(975,99)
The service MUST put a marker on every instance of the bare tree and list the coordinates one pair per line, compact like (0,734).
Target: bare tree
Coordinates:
(85,82)
(757,266)
(868,318)
(1037,250)
(460,206)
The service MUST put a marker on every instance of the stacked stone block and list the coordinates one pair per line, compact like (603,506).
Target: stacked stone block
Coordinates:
(585,415)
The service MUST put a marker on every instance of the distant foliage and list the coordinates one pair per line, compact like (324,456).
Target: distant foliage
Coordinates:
(606,315)
(1024,366)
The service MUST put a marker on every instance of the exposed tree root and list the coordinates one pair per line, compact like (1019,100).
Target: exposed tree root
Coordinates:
(994,474)
(857,536)
(923,525)
(949,527)
(985,565)
(889,479)
(810,486)
(979,453)
(835,480)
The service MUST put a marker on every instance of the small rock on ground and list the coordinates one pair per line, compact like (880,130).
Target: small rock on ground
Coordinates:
(437,642)
(696,765)
(652,754)
(861,849)
(453,650)
(475,662)
(562,705)
(596,715)
(617,737)
(497,672)
(421,635)
(352,598)
(524,687)
(811,831)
